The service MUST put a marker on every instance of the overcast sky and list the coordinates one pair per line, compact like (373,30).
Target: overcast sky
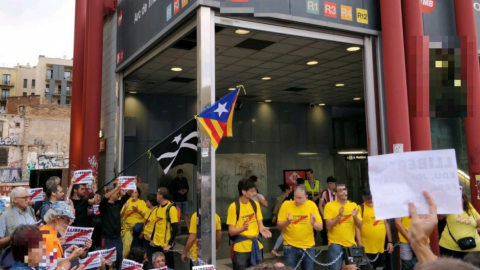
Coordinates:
(29,28)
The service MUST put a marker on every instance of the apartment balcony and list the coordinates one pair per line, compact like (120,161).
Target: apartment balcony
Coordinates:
(6,83)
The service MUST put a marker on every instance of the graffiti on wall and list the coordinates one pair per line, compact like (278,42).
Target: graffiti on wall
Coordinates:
(45,162)
(30,166)
(8,141)
(9,175)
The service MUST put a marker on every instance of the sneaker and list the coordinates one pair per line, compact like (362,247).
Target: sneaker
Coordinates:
(275,253)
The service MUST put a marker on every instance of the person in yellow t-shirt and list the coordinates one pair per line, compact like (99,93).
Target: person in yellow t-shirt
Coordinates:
(166,226)
(191,244)
(134,211)
(341,218)
(146,234)
(460,226)
(372,235)
(245,227)
(297,219)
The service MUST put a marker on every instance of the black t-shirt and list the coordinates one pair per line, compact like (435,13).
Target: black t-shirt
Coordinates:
(110,213)
(81,209)
(179,184)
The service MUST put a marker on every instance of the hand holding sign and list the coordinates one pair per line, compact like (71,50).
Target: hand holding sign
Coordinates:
(128,182)
(83,177)
(36,194)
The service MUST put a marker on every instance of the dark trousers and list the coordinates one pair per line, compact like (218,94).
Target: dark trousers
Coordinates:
(169,260)
(380,262)
(149,248)
(117,243)
(323,233)
(241,260)
(452,253)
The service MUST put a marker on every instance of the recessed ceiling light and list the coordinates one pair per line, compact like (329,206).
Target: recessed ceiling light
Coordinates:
(266,78)
(353,49)
(177,69)
(321,104)
(339,84)
(357,98)
(242,31)
(231,88)
(268,100)
(132,92)
(312,63)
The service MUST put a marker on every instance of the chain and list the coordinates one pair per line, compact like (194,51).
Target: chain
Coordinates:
(300,261)
(378,254)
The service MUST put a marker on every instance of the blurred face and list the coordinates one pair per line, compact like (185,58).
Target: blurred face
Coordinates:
(145,258)
(60,194)
(342,193)
(250,193)
(35,253)
(81,190)
(57,181)
(180,175)
(149,204)
(256,183)
(159,196)
(61,223)
(368,202)
(22,201)
(300,197)
(135,195)
(331,185)
(159,262)
(309,176)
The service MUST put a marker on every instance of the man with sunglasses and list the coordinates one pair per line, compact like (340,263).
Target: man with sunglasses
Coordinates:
(20,213)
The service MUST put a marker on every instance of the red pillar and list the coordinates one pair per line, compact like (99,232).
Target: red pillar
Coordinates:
(395,76)
(76,124)
(418,81)
(93,85)
(465,21)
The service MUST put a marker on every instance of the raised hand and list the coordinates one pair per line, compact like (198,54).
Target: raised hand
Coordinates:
(266,232)
(354,212)
(422,225)
(313,220)
(341,210)
(88,244)
(289,218)
(135,208)
(246,225)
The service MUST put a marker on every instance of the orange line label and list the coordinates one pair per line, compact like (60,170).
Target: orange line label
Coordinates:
(299,220)
(376,223)
(249,219)
(345,218)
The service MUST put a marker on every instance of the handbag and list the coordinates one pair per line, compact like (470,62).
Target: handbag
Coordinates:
(464,243)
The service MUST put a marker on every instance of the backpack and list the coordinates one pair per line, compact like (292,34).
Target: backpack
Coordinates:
(237,211)
(167,218)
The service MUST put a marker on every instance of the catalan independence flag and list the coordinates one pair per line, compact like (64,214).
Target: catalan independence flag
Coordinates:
(217,120)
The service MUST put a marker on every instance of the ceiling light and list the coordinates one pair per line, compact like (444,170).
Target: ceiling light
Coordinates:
(132,92)
(339,84)
(177,69)
(242,32)
(352,152)
(312,63)
(266,78)
(308,154)
(231,88)
(321,104)
(357,98)
(353,49)
(268,100)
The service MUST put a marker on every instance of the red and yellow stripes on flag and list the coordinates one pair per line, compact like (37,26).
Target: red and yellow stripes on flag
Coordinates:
(214,129)
(230,120)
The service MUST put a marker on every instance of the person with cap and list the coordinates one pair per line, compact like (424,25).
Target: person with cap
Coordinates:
(372,235)
(328,195)
(150,221)
(287,189)
(313,187)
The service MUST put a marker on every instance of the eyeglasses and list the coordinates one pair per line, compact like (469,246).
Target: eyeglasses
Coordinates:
(25,197)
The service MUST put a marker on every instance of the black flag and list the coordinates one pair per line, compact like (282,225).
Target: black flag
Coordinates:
(178,148)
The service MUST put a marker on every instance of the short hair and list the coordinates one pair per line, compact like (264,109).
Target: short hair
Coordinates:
(473,258)
(52,189)
(309,170)
(49,183)
(53,178)
(443,263)
(248,184)
(139,191)
(156,255)
(164,192)
(77,186)
(300,181)
(240,186)
(137,254)
(152,198)
(301,188)
(23,237)
(15,193)
(179,171)
(254,178)
(50,215)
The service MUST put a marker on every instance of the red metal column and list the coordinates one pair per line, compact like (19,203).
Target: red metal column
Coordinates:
(93,85)
(395,76)
(76,124)
(465,21)
(417,67)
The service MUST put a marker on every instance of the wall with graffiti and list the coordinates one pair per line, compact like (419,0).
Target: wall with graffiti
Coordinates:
(11,147)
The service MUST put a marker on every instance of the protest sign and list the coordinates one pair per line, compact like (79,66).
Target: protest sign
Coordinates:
(92,260)
(96,209)
(161,268)
(78,235)
(131,265)
(204,267)
(127,182)
(83,177)
(397,179)
(39,223)
(36,194)
(109,254)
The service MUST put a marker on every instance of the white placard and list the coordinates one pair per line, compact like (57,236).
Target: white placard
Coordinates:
(96,209)
(36,194)
(127,182)
(161,268)
(397,179)
(78,235)
(109,254)
(204,267)
(83,177)
(92,260)
(131,265)
(39,223)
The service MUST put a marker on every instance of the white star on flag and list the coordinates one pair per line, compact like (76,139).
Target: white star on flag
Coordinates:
(221,109)
(177,139)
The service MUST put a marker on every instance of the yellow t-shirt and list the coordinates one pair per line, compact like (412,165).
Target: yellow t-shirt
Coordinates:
(373,231)
(406,221)
(344,232)
(461,226)
(162,229)
(246,213)
(149,222)
(133,217)
(193,229)
(299,233)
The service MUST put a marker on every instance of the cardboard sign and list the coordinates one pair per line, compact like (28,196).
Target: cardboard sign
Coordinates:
(83,177)
(92,260)
(127,182)
(131,265)
(78,235)
(204,267)
(36,194)
(96,209)
(397,179)
(109,254)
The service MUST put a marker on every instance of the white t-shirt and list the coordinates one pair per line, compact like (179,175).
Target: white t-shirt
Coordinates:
(259,195)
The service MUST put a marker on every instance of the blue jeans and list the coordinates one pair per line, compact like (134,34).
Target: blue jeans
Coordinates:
(292,256)
(279,241)
(334,251)
(117,243)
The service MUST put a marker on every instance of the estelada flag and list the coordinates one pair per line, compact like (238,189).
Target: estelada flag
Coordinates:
(217,120)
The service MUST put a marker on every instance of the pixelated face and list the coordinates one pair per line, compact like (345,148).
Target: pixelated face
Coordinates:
(35,253)
(250,193)
(300,197)
(60,194)
(342,192)
(309,175)
(368,202)
(159,262)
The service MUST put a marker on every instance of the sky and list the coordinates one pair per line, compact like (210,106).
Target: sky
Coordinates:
(29,28)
